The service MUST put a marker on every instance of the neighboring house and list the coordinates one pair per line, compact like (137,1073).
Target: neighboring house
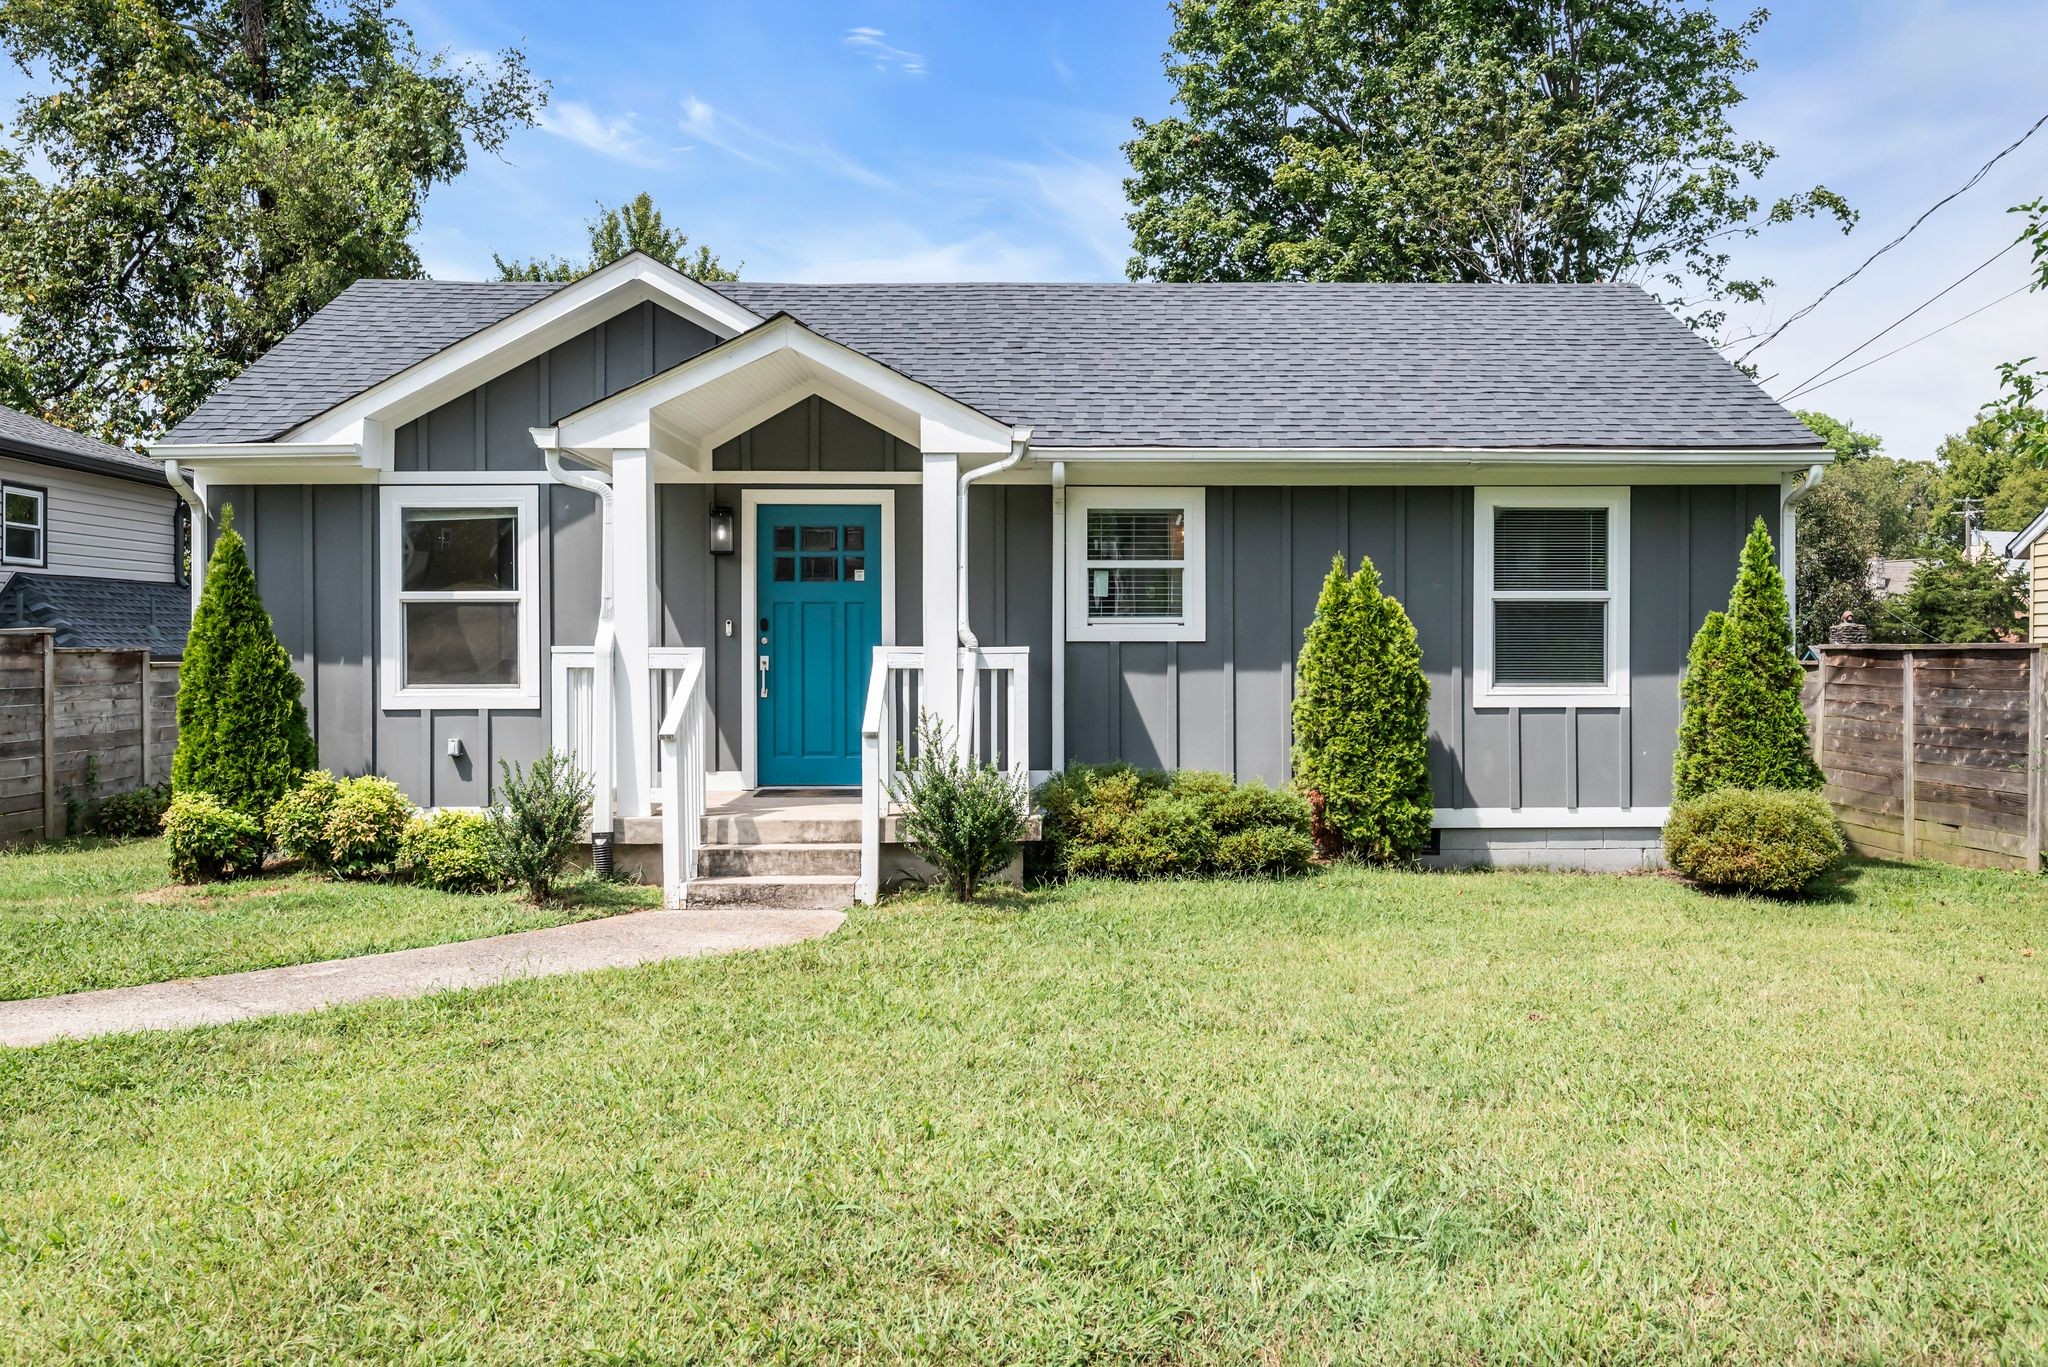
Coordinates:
(445,486)
(2030,548)
(1986,544)
(90,545)
(1891,577)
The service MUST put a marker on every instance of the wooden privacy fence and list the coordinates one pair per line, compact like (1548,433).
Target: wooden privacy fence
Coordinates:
(78,724)
(1935,752)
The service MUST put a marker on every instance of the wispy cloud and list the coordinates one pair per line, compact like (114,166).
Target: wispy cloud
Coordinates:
(738,138)
(870,43)
(616,138)
(902,251)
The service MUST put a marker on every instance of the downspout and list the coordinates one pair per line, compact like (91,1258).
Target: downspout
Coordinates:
(1020,449)
(1059,616)
(1788,535)
(604,650)
(197,550)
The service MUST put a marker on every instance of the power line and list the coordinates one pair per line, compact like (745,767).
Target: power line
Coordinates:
(1904,317)
(1982,171)
(1801,393)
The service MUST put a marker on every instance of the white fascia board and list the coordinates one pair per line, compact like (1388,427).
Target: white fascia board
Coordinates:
(1788,458)
(944,423)
(262,462)
(2029,536)
(513,341)
(184,452)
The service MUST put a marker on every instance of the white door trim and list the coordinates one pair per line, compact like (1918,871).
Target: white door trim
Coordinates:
(751,503)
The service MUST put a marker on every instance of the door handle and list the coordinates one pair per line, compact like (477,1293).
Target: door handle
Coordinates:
(763,667)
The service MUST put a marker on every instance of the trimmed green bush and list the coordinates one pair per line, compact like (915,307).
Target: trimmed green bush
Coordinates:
(297,821)
(1115,821)
(209,840)
(134,814)
(451,851)
(1361,717)
(364,826)
(1742,725)
(539,821)
(242,734)
(964,819)
(1269,851)
(1753,840)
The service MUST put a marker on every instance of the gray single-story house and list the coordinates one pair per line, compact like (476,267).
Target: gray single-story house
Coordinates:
(730,540)
(91,539)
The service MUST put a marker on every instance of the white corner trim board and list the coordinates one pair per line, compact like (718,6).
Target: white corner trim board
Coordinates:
(394,694)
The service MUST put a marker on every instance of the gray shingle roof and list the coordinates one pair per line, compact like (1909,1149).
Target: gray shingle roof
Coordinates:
(1236,365)
(1307,365)
(33,439)
(372,330)
(111,614)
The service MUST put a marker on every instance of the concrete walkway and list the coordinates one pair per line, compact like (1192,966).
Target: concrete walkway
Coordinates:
(641,937)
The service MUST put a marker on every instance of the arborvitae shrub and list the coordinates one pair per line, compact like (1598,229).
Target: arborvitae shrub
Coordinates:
(1742,725)
(242,733)
(1361,717)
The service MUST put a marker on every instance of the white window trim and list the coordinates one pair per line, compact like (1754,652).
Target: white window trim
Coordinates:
(1192,503)
(41,524)
(1486,693)
(524,499)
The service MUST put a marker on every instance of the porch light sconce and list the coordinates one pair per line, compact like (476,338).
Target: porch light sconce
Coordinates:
(722,542)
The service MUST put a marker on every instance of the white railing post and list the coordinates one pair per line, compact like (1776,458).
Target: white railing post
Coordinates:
(681,736)
(876,767)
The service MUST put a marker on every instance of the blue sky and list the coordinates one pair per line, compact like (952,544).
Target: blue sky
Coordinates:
(872,139)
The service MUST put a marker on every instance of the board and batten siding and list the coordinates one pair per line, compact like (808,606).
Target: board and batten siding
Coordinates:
(98,526)
(2037,588)
(1223,702)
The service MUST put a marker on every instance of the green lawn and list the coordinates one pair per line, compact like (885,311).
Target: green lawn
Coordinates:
(92,913)
(1389,1117)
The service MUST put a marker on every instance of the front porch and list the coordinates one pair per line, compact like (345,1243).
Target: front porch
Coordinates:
(819,608)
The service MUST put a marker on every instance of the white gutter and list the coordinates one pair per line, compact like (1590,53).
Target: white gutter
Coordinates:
(604,651)
(199,526)
(1020,449)
(1789,500)
(1428,455)
(1059,616)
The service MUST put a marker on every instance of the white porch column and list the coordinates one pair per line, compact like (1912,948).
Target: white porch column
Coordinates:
(633,589)
(941,598)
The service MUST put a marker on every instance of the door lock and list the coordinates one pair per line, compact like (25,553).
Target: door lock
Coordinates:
(763,667)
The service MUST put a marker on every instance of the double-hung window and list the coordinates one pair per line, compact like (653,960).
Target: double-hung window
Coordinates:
(459,598)
(1551,617)
(1135,568)
(24,530)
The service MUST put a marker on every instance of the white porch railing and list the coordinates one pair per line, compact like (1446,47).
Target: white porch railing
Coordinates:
(575,717)
(681,741)
(994,726)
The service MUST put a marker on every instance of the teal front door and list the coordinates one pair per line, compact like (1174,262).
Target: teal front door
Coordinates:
(820,595)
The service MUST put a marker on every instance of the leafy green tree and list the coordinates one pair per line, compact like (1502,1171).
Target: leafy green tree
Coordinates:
(242,734)
(1361,717)
(634,226)
(2022,385)
(1837,540)
(1956,600)
(1992,462)
(191,179)
(1742,725)
(1490,140)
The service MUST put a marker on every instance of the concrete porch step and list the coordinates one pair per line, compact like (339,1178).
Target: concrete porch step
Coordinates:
(793,827)
(778,860)
(822,892)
